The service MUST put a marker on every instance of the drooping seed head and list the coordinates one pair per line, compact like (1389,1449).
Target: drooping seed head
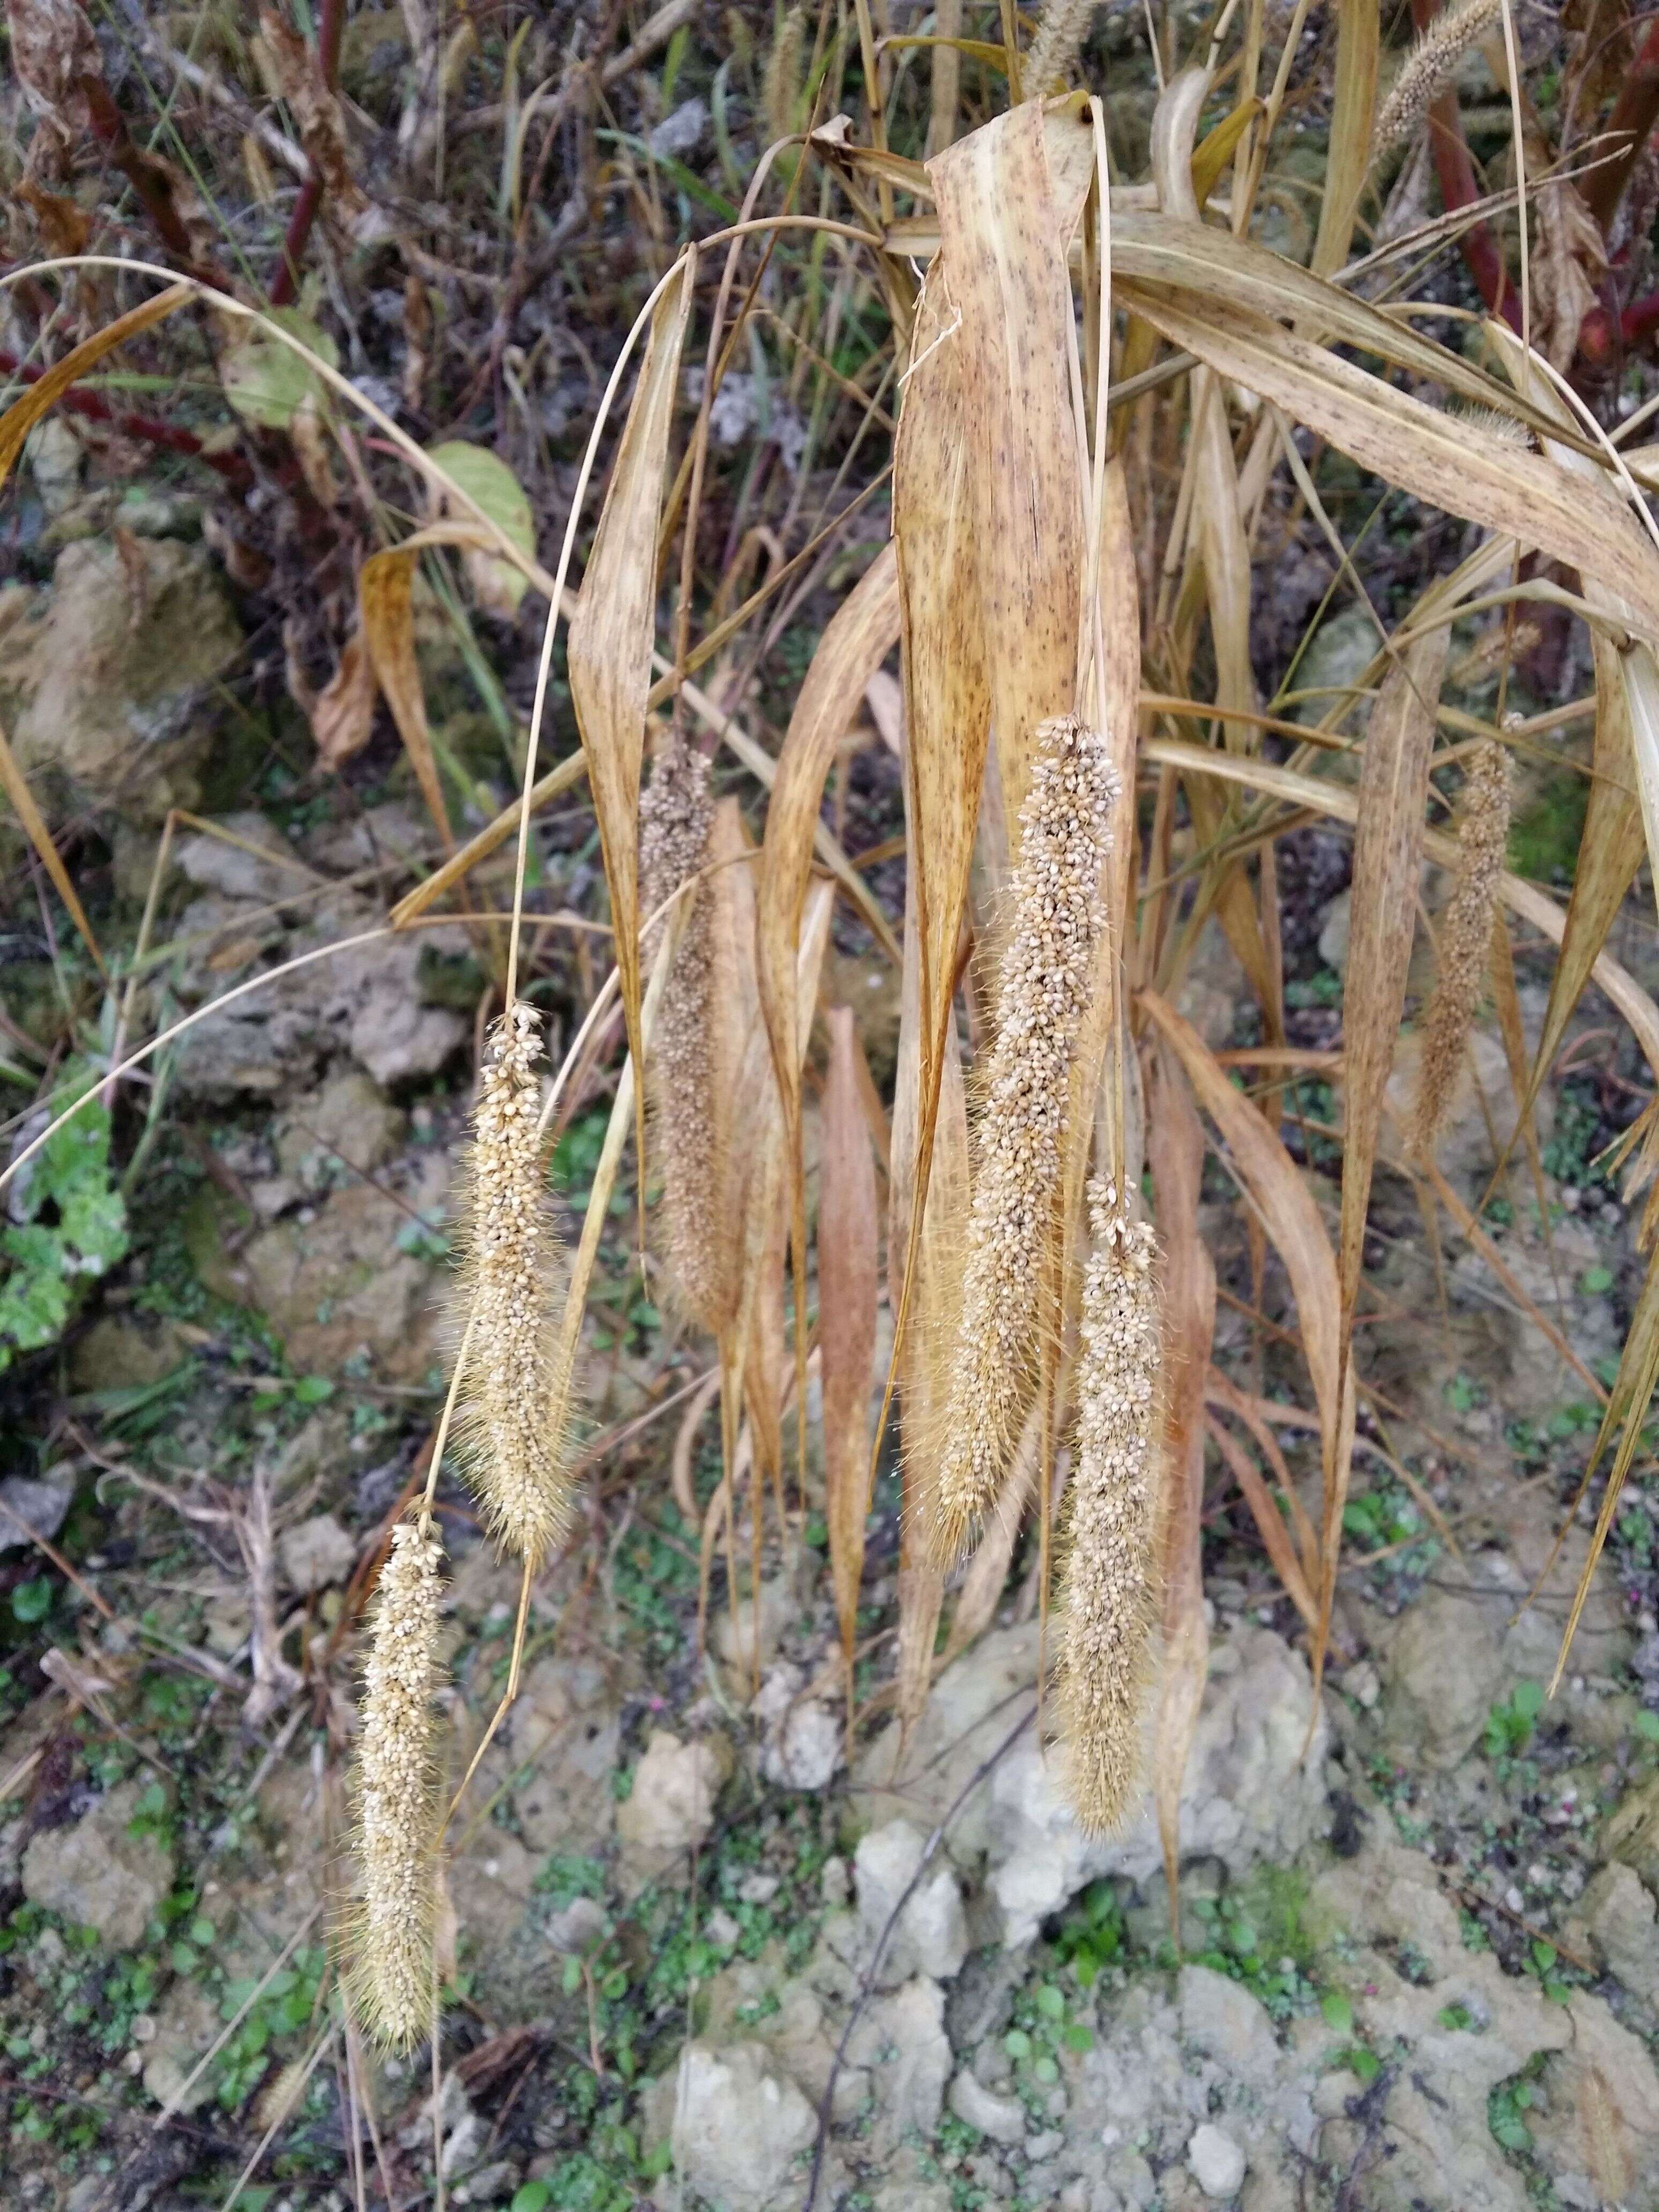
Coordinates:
(514,1410)
(1465,943)
(1427,71)
(1045,979)
(1108,1576)
(390,1975)
(688,1094)
(1058,41)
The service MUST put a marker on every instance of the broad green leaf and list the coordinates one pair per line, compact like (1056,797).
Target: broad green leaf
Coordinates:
(266,381)
(488,483)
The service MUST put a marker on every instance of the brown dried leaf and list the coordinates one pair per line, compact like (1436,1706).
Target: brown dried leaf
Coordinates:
(1450,462)
(1358,39)
(1176,1150)
(1005,238)
(1388,848)
(385,583)
(612,628)
(296,72)
(849,1287)
(342,713)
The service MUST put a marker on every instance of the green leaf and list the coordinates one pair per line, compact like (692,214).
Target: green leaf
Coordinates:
(571,1979)
(313,1389)
(1543,1954)
(1076,2037)
(489,483)
(1529,1700)
(266,381)
(1338,2012)
(1046,2071)
(1050,2003)
(1647,1726)
(1365,2064)
(1016,2044)
(31,1600)
(1595,1280)
(534,2197)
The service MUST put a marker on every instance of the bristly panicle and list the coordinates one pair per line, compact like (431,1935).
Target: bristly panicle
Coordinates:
(389,1980)
(1465,943)
(676,814)
(1108,1576)
(512,1414)
(1427,71)
(1054,51)
(1045,979)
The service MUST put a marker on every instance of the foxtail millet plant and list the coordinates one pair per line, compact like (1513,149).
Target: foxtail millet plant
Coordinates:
(677,813)
(1465,944)
(513,1413)
(389,1978)
(1045,981)
(1106,1604)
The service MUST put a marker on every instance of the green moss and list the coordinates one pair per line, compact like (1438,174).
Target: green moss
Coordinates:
(1544,837)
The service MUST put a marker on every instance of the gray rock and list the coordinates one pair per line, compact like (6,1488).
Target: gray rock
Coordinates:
(566,1731)
(31,1509)
(931,1937)
(1444,1672)
(579,1927)
(738,2127)
(98,1875)
(910,2086)
(672,1806)
(1619,1914)
(1251,1794)
(1216,2162)
(1222,2021)
(215,864)
(805,1738)
(1002,2118)
(317,1553)
(106,673)
(348,1119)
(186,2028)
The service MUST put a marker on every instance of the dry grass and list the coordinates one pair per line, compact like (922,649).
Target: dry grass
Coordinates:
(1115,400)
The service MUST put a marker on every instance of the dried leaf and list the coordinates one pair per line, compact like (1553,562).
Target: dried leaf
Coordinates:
(1176,1150)
(342,713)
(1004,245)
(612,631)
(1359,38)
(1452,463)
(385,586)
(1388,848)
(849,1287)
(300,83)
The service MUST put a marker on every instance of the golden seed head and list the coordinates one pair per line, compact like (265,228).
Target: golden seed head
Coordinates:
(512,1413)
(1058,41)
(677,815)
(1465,944)
(1105,1609)
(1427,71)
(389,1977)
(1045,979)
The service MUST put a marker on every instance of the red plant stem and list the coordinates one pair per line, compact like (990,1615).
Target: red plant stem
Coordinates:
(1459,188)
(286,282)
(78,401)
(1634,114)
(149,180)
(1604,337)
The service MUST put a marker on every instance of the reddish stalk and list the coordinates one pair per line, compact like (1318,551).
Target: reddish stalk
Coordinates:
(1634,114)
(1459,188)
(78,401)
(286,282)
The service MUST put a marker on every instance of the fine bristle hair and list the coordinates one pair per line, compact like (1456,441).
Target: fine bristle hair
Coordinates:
(1104,1614)
(1465,941)
(512,1413)
(1427,69)
(677,813)
(1045,976)
(1058,41)
(389,1978)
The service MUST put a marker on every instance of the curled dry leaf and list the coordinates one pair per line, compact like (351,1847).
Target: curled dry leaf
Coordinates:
(342,713)
(849,1287)
(613,627)
(1394,792)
